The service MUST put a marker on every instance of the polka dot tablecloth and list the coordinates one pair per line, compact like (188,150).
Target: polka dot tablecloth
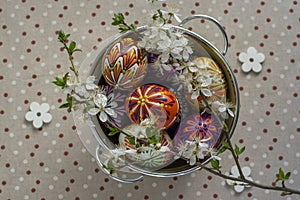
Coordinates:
(52,163)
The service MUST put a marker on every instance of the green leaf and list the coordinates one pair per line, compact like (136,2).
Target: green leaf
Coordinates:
(238,151)
(72,46)
(282,176)
(155,139)
(65,105)
(118,19)
(77,50)
(62,37)
(131,140)
(224,126)
(59,82)
(287,176)
(113,130)
(215,164)
(69,103)
(225,146)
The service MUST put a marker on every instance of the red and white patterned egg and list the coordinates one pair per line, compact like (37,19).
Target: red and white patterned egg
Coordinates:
(153,100)
(124,64)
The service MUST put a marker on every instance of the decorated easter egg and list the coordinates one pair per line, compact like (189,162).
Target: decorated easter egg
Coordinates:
(204,125)
(124,64)
(153,100)
(218,86)
(148,158)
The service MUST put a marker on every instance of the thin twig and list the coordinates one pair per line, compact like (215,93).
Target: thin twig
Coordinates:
(235,157)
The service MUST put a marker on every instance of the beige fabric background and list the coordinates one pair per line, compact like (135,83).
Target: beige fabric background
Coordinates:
(52,163)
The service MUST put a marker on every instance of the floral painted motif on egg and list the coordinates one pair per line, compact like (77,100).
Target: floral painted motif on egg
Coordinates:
(124,64)
(148,158)
(218,86)
(153,100)
(204,125)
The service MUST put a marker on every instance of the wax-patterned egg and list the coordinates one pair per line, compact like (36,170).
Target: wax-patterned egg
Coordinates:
(203,125)
(124,64)
(153,100)
(148,158)
(218,86)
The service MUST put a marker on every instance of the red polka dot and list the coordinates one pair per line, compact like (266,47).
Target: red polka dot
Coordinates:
(271,148)
(180,196)
(265,130)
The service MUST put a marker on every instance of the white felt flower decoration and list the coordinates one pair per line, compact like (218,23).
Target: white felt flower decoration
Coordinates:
(251,60)
(237,185)
(38,114)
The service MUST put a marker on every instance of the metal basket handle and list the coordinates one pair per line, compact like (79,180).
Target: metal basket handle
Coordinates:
(106,172)
(216,22)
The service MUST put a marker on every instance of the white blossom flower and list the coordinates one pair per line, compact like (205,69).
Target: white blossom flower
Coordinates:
(138,131)
(104,107)
(90,83)
(81,89)
(223,108)
(38,114)
(251,60)
(213,154)
(170,44)
(238,185)
(193,150)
